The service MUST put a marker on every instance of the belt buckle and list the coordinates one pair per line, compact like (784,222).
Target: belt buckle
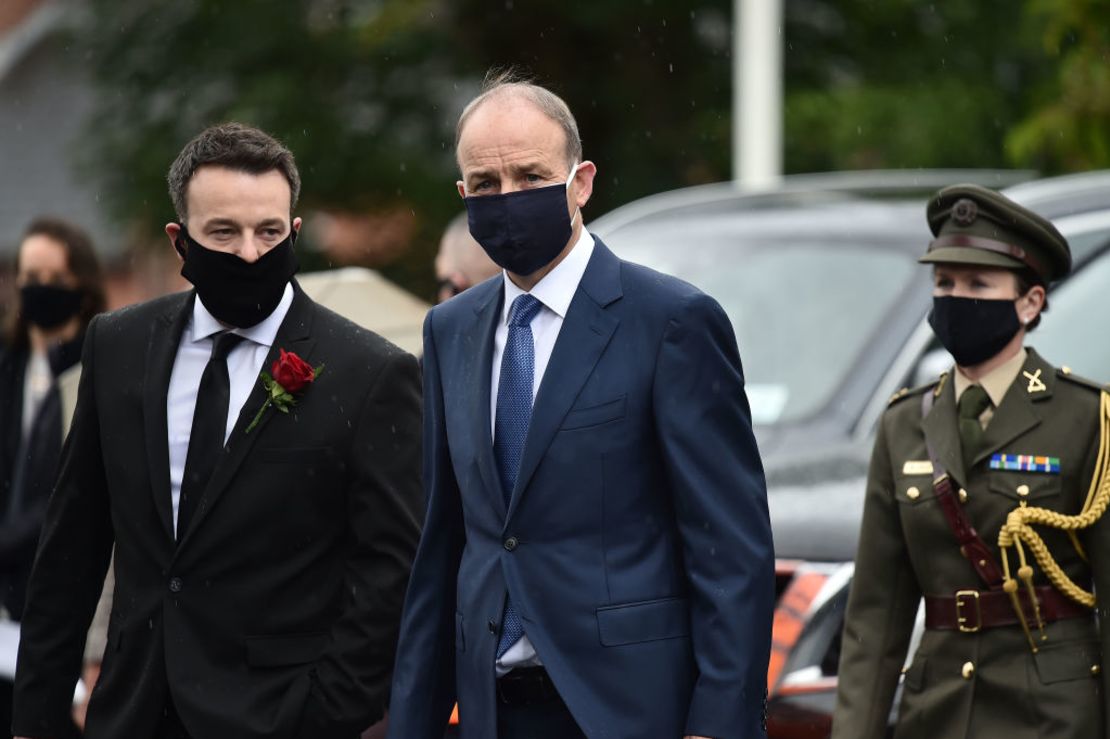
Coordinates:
(962,605)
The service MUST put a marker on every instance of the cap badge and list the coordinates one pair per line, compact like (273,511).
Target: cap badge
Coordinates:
(964,212)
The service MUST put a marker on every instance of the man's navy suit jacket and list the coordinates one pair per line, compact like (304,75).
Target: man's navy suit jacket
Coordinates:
(636,544)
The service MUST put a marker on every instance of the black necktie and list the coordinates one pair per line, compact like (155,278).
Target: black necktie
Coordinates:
(206,439)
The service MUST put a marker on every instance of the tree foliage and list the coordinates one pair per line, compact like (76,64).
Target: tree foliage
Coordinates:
(366,92)
(1070,127)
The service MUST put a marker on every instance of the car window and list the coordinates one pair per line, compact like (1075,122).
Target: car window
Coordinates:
(803,310)
(1079,310)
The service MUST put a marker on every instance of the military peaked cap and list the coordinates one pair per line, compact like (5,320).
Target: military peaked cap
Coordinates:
(975,225)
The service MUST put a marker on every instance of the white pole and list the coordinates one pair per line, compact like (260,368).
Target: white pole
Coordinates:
(757,94)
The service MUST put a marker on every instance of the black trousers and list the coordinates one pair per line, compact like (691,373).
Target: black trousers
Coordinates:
(537,712)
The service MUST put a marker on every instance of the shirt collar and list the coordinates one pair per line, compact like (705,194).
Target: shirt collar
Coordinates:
(558,286)
(204,324)
(997,381)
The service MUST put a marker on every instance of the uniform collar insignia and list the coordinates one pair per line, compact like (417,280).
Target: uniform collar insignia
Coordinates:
(1036,384)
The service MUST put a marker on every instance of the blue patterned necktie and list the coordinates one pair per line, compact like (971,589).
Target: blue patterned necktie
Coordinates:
(514,413)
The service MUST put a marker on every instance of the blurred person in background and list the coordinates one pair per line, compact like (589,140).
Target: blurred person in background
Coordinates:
(461,262)
(986,496)
(60,289)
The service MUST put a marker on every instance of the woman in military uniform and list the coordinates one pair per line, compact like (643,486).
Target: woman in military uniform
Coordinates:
(985,499)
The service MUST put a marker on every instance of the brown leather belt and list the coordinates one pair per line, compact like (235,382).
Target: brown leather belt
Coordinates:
(970,611)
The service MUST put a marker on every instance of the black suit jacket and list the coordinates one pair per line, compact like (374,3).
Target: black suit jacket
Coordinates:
(28,467)
(277,613)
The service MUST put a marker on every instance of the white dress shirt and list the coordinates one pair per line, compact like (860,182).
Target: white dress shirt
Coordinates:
(554,292)
(244,364)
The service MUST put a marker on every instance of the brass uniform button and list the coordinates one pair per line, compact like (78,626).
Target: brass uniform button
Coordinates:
(913,493)
(1095,670)
(963,495)
(968,670)
(1023,490)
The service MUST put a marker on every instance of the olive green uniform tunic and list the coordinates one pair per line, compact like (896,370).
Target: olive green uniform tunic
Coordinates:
(988,684)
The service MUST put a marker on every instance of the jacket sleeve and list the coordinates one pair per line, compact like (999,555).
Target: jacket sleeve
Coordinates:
(1096,541)
(385,507)
(74,549)
(720,497)
(882,606)
(424,688)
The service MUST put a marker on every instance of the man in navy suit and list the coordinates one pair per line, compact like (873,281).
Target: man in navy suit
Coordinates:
(597,557)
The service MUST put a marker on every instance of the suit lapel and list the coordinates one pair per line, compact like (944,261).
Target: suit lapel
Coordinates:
(586,331)
(480,335)
(165,336)
(941,429)
(293,336)
(1016,414)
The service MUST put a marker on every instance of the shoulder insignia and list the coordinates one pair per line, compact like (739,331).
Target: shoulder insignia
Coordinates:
(907,392)
(939,384)
(1065,373)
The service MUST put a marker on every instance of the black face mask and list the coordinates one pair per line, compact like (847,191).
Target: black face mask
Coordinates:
(235,292)
(521,231)
(48,306)
(973,330)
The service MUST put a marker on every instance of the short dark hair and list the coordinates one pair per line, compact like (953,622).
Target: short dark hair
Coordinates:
(1027,279)
(82,262)
(500,82)
(235,146)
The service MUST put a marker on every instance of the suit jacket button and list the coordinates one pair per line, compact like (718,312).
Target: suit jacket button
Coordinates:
(510,543)
(492,627)
(176,584)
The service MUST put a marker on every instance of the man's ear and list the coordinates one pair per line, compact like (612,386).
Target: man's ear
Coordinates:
(583,182)
(297,224)
(173,231)
(461,186)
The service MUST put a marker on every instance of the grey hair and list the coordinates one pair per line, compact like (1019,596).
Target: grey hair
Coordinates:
(235,146)
(499,83)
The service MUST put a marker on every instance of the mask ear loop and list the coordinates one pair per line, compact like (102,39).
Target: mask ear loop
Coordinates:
(570,178)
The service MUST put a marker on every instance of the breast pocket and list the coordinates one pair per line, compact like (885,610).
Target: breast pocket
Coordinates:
(1036,489)
(594,414)
(295,455)
(913,490)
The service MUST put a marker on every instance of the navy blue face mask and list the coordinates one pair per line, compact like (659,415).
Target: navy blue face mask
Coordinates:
(973,330)
(522,231)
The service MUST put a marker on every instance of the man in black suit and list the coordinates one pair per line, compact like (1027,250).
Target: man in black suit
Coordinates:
(263,536)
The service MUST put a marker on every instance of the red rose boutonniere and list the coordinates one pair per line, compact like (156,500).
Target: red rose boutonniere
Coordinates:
(288,377)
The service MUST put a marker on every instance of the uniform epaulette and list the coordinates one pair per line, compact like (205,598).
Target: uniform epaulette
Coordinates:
(908,392)
(1065,373)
